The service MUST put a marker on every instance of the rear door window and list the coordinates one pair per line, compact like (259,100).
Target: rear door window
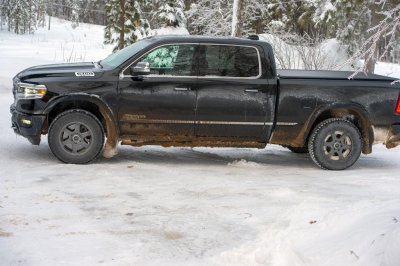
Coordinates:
(229,61)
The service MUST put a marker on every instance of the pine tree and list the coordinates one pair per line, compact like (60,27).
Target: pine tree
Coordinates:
(75,13)
(92,11)
(41,13)
(144,30)
(214,17)
(3,13)
(290,16)
(123,22)
(171,13)
(19,15)
(210,17)
(370,30)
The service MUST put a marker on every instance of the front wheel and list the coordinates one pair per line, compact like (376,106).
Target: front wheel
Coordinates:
(335,144)
(76,136)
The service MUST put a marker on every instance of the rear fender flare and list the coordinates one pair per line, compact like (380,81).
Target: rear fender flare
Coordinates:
(340,110)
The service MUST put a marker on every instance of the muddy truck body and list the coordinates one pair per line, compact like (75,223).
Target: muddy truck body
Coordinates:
(203,91)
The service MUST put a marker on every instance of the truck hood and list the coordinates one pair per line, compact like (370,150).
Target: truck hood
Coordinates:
(76,70)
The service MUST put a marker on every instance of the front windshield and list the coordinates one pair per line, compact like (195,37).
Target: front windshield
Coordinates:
(119,57)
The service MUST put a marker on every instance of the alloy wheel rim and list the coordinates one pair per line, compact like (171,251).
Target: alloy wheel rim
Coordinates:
(337,145)
(76,138)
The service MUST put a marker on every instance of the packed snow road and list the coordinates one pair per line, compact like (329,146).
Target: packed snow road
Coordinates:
(203,206)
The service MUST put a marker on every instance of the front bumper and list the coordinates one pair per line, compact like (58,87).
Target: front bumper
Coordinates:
(393,139)
(26,125)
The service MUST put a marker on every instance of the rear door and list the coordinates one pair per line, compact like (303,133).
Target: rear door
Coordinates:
(233,97)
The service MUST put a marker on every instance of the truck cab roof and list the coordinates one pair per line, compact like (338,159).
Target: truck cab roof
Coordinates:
(204,39)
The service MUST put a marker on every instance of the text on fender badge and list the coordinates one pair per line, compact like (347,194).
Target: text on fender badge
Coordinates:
(84,74)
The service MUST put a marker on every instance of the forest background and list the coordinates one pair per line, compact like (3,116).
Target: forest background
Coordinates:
(368,30)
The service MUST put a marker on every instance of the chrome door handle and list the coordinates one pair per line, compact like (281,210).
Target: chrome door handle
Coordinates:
(251,90)
(181,89)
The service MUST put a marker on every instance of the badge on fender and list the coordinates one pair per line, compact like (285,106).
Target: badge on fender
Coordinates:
(84,74)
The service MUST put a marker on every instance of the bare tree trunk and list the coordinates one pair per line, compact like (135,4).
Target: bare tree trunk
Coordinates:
(237,18)
(370,61)
(370,65)
(50,13)
(121,25)
(30,17)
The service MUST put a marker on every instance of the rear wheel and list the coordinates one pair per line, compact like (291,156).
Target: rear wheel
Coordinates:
(335,144)
(76,136)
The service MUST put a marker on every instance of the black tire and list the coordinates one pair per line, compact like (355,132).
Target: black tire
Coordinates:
(300,150)
(76,136)
(335,144)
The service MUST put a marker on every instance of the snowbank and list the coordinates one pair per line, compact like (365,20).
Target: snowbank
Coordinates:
(326,55)
(61,44)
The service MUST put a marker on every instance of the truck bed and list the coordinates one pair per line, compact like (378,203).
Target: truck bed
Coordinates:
(329,75)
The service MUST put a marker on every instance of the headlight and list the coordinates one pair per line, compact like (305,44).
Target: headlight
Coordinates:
(30,91)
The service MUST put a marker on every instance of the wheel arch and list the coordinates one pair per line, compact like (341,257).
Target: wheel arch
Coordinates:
(92,104)
(350,111)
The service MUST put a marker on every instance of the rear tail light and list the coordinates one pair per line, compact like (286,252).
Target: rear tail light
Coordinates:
(397,111)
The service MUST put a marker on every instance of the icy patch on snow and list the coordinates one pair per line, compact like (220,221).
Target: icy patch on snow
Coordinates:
(243,163)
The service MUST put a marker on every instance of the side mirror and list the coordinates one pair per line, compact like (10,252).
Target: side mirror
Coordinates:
(141,68)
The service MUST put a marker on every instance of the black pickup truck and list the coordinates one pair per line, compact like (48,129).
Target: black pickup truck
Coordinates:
(203,91)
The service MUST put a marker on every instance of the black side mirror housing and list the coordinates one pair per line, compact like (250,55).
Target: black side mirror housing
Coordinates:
(140,69)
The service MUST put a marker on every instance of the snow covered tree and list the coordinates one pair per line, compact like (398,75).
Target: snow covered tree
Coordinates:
(214,17)
(210,17)
(3,14)
(382,38)
(93,11)
(75,13)
(291,16)
(123,22)
(358,25)
(144,30)
(21,17)
(170,13)
(41,13)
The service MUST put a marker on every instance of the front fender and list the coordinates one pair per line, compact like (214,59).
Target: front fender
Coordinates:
(105,110)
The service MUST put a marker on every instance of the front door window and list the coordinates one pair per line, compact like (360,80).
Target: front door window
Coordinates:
(171,60)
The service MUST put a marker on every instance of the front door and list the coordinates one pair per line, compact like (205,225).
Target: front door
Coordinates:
(160,107)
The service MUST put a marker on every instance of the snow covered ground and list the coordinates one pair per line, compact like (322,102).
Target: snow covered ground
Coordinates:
(60,44)
(181,206)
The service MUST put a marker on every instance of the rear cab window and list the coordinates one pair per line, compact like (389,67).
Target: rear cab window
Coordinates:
(229,61)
